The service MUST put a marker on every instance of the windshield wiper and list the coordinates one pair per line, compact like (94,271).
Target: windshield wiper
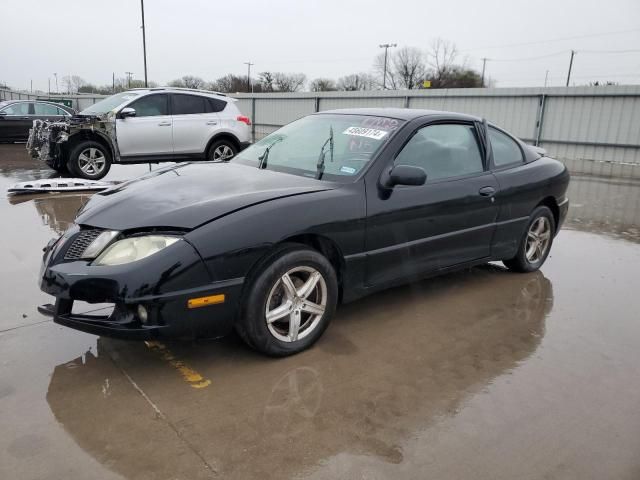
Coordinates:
(265,155)
(320,164)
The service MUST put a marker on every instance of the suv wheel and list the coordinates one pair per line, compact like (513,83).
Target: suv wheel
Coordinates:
(221,151)
(90,160)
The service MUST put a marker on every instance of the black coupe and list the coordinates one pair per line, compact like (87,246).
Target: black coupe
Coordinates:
(327,209)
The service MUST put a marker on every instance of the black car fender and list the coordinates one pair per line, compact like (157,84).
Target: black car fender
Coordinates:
(234,244)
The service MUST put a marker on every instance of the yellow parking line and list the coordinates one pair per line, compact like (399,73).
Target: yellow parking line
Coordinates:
(192,377)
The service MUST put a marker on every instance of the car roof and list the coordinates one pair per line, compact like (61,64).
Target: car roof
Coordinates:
(208,93)
(48,102)
(401,113)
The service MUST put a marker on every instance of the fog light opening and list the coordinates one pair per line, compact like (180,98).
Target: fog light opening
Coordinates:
(143,315)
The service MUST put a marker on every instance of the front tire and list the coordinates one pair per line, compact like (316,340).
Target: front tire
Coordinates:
(221,151)
(90,160)
(536,242)
(290,302)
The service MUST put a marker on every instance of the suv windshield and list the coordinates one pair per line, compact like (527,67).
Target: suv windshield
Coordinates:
(109,103)
(332,147)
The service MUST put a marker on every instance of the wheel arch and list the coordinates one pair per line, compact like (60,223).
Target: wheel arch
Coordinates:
(222,136)
(83,136)
(551,203)
(319,243)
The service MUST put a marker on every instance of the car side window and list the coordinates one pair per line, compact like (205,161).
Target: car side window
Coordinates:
(17,109)
(188,104)
(151,106)
(505,150)
(443,151)
(46,109)
(216,105)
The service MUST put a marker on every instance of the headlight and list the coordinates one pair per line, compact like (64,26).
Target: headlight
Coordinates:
(133,249)
(101,241)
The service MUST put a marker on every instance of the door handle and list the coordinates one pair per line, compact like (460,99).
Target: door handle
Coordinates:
(487,191)
(212,122)
(164,124)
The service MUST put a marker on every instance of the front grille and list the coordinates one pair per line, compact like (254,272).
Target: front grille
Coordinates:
(80,243)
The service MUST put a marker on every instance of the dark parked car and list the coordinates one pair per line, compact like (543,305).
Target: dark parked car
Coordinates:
(327,209)
(17,116)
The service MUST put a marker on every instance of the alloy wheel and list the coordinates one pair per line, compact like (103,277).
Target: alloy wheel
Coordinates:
(91,161)
(223,152)
(538,239)
(296,304)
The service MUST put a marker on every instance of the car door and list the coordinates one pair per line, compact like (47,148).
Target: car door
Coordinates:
(17,119)
(194,123)
(522,184)
(413,230)
(148,134)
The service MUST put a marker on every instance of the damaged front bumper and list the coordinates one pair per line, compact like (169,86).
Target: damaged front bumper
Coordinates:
(47,139)
(150,297)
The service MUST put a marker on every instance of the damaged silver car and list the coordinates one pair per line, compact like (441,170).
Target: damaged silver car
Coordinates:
(142,126)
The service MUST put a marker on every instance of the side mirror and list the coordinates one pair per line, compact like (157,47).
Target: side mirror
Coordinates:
(127,112)
(403,175)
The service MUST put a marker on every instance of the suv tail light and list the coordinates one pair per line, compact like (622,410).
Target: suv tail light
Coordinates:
(243,119)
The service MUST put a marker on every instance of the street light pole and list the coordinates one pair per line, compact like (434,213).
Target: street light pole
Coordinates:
(249,84)
(573,52)
(386,47)
(144,45)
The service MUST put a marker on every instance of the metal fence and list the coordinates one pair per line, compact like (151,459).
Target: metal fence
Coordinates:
(78,101)
(594,130)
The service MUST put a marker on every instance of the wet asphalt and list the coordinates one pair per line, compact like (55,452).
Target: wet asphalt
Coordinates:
(481,374)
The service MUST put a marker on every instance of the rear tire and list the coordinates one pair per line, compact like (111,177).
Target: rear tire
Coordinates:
(280,317)
(222,150)
(90,160)
(536,242)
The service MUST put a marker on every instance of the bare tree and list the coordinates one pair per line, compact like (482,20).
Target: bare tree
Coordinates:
(441,58)
(289,82)
(406,68)
(266,81)
(409,67)
(188,81)
(356,81)
(73,83)
(230,83)
(322,85)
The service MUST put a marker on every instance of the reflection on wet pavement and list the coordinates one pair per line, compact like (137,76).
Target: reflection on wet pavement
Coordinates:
(481,374)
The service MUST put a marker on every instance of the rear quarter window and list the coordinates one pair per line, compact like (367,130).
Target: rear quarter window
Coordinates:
(215,105)
(505,150)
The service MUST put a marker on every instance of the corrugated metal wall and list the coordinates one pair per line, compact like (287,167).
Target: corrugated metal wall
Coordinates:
(593,129)
(580,125)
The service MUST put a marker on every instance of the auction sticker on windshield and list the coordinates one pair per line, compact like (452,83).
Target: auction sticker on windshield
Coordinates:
(365,132)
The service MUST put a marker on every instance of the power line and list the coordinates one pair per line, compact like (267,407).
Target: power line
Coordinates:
(524,59)
(551,40)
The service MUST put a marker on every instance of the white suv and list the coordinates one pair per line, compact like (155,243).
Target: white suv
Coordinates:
(141,126)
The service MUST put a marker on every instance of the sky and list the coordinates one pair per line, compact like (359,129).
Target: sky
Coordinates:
(329,38)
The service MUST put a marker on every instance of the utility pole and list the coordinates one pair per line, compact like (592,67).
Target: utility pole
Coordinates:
(31,85)
(249,84)
(386,47)
(128,74)
(56,75)
(573,52)
(49,83)
(546,77)
(484,65)
(144,45)
(113,82)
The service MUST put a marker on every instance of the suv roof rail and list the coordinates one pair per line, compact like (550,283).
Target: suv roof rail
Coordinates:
(155,89)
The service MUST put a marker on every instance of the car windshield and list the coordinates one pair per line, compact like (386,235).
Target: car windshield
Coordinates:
(109,103)
(333,147)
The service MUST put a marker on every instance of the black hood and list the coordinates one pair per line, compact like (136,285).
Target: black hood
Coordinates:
(189,195)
